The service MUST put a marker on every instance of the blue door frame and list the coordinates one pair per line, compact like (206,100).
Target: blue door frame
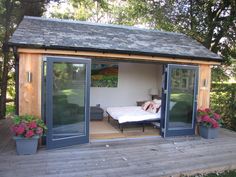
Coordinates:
(50,142)
(166,131)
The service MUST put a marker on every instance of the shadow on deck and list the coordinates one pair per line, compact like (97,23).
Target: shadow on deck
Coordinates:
(139,157)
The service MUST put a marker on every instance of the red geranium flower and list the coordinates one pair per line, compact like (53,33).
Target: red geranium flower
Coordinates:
(214,123)
(27,126)
(29,134)
(208,118)
(207,110)
(32,125)
(20,130)
(217,116)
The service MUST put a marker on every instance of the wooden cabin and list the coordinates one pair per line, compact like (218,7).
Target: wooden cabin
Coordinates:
(92,81)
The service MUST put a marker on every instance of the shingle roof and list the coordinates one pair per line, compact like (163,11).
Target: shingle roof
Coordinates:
(37,32)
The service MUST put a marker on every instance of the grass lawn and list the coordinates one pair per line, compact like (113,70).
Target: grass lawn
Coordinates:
(231,173)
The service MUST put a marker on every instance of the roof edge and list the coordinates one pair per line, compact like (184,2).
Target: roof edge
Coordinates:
(217,59)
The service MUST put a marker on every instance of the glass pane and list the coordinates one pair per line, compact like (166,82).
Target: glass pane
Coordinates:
(69,82)
(181,98)
(44,89)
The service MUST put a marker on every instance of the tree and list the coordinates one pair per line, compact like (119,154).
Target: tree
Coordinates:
(11,13)
(212,23)
(84,10)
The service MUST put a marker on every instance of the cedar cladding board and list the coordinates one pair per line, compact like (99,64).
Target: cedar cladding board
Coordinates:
(37,32)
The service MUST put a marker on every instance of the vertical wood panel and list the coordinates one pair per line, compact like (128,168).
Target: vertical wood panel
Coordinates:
(204,91)
(30,93)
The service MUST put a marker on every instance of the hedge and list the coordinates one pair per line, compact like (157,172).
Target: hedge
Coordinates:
(223,101)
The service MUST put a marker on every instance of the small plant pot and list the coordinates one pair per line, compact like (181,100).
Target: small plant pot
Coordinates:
(208,133)
(26,146)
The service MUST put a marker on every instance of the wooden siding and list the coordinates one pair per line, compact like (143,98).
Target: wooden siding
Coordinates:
(117,56)
(204,90)
(30,93)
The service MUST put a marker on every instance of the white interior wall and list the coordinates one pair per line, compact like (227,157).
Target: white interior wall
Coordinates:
(134,82)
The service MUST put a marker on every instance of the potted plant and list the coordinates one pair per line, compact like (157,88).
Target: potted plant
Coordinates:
(209,123)
(27,130)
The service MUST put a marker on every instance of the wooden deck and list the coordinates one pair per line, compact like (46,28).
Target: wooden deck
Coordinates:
(137,157)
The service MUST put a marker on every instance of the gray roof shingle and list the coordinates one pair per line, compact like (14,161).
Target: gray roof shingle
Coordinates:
(38,32)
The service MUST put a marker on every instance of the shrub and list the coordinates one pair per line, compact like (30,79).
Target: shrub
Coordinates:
(223,101)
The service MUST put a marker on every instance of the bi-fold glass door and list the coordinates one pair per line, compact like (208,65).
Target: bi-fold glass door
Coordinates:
(67,101)
(180,89)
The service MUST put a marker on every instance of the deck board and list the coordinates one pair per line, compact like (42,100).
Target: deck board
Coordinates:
(152,156)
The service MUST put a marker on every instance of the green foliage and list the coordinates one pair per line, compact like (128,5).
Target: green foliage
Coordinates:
(228,69)
(11,85)
(211,23)
(223,101)
(105,81)
(27,119)
(11,13)
(132,12)
(83,10)
(230,173)
(10,109)
(219,74)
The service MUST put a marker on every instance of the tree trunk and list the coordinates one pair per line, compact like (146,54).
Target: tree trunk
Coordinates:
(6,56)
(3,97)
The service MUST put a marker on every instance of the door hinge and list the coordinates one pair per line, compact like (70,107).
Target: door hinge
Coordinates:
(163,130)
(44,58)
(165,91)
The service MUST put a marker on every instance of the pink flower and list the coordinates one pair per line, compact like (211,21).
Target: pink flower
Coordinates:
(23,124)
(207,110)
(29,134)
(32,125)
(18,129)
(206,118)
(214,123)
(217,116)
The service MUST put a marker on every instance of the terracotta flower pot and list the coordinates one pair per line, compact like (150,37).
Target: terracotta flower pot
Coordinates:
(208,133)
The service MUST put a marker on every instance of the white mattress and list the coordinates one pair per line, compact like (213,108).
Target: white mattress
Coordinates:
(132,114)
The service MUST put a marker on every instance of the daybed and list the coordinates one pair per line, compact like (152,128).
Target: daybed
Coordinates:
(132,114)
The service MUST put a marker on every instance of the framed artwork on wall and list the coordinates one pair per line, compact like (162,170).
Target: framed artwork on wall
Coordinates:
(104,74)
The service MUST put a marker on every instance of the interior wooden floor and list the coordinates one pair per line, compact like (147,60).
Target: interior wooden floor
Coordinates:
(104,130)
